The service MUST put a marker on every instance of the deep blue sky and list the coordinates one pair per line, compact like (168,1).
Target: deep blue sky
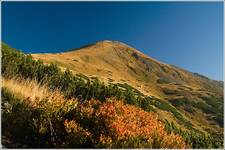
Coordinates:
(185,34)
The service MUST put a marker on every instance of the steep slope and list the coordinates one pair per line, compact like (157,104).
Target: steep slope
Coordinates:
(113,61)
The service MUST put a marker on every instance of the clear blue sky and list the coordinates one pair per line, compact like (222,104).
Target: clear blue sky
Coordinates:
(185,34)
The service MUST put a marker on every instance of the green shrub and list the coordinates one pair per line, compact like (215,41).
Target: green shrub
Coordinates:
(19,121)
(163,81)
(169,91)
(166,106)
(196,139)
(180,102)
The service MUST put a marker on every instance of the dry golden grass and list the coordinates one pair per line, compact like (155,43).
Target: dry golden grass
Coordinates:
(31,91)
(26,88)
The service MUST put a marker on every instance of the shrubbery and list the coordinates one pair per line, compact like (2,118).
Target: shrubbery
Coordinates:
(163,81)
(39,123)
(63,123)
(196,139)
(180,102)
(166,106)
(15,63)
(118,125)
(215,104)
(51,124)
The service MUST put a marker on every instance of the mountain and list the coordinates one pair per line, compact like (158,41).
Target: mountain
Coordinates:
(197,97)
(117,62)
(57,107)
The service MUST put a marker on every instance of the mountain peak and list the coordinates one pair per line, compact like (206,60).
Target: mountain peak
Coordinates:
(113,43)
(109,41)
(104,44)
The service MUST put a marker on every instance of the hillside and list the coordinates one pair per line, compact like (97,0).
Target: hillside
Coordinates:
(47,106)
(116,62)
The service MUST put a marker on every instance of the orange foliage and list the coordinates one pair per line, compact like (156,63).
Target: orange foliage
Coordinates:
(124,125)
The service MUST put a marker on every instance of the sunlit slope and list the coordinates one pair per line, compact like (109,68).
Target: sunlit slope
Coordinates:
(117,62)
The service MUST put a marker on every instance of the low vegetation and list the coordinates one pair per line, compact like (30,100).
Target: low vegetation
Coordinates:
(196,139)
(77,111)
(210,105)
(163,81)
(50,120)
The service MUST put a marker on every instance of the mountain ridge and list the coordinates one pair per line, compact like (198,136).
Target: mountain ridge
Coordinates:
(123,52)
(126,45)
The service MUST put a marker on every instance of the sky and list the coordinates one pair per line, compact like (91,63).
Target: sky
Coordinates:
(186,34)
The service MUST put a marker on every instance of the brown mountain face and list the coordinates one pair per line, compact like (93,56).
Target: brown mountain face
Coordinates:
(113,61)
(117,62)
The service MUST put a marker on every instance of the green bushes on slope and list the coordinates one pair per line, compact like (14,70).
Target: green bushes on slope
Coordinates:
(197,139)
(15,63)
(93,124)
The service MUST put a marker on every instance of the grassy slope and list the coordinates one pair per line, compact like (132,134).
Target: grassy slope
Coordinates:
(34,97)
(117,62)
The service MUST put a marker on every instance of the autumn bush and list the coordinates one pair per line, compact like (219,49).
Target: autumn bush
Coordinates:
(119,125)
(53,121)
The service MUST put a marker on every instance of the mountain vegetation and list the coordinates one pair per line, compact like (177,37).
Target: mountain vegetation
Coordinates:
(44,105)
